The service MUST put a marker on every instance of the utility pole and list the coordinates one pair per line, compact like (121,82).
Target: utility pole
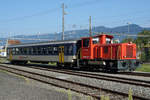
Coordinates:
(63,20)
(90,26)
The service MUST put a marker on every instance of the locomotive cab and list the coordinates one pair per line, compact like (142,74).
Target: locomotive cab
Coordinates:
(88,43)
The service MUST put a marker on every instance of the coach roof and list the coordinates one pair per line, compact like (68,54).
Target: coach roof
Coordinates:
(43,43)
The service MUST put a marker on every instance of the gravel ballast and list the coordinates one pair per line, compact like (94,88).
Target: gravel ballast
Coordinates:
(137,90)
(13,87)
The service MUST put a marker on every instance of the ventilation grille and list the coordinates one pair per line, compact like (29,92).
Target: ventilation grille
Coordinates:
(129,51)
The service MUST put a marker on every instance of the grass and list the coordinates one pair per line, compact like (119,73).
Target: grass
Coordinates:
(3,60)
(144,68)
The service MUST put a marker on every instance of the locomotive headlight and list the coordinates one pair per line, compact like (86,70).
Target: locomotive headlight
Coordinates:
(104,63)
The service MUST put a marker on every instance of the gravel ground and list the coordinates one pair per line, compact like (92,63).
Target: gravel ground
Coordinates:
(137,90)
(13,87)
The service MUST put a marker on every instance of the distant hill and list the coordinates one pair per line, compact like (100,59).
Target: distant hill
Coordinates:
(76,34)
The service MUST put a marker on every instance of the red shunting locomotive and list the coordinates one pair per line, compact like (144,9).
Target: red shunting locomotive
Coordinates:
(100,52)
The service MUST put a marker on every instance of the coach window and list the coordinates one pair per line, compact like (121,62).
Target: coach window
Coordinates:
(29,50)
(39,50)
(55,50)
(13,51)
(17,51)
(25,50)
(86,42)
(70,49)
(44,50)
(20,50)
(34,51)
(50,50)
(65,50)
(8,50)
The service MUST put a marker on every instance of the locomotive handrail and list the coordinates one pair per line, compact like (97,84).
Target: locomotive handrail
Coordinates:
(118,52)
(111,52)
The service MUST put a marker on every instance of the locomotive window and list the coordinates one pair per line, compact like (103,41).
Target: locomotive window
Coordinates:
(86,42)
(95,40)
(108,40)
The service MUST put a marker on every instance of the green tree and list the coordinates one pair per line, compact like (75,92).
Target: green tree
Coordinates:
(143,37)
(126,40)
(142,42)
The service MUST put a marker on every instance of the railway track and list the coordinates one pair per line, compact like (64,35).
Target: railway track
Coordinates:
(136,74)
(137,82)
(143,74)
(74,86)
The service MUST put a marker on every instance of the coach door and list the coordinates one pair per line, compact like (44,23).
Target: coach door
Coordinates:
(61,54)
(10,54)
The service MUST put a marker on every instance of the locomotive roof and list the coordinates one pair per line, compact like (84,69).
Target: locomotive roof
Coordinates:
(43,43)
(99,35)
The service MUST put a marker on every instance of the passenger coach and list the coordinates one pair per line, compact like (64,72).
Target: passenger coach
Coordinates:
(52,51)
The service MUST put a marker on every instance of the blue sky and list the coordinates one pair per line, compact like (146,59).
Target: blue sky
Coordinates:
(45,16)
